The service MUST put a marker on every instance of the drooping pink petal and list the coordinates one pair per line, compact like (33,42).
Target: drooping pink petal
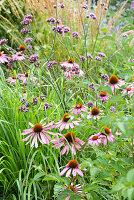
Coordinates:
(90,142)
(64,150)
(75,123)
(56,140)
(110,138)
(89,116)
(104,141)
(112,88)
(30,124)
(49,132)
(28,137)
(62,126)
(79,172)
(34,141)
(58,145)
(44,139)
(63,171)
(75,111)
(74,172)
(67,126)
(69,172)
(68,197)
(71,124)
(79,111)
(79,141)
(73,149)
(27,132)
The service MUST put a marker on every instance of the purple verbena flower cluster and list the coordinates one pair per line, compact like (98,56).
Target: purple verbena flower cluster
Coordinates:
(105,76)
(91,85)
(33,58)
(28,40)
(90,104)
(23,109)
(89,56)
(82,58)
(98,58)
(85,6)
(93,16)
(35,101)
(75,35)
(61,29)
(101,54)
(24,30)
(51,64)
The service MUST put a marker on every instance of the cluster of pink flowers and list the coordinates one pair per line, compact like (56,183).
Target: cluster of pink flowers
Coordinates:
(71,68)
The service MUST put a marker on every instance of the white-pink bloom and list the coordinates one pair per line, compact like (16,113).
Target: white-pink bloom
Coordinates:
(3,57)
(73,167)
(118,133)
(107,136)
(129,91)
(76,189)
(103,96)
(114,82)
(66,140)
(78,108)
(94,113)
(66,122)
(11,80)
(38,131)
(18,56)
(94,140)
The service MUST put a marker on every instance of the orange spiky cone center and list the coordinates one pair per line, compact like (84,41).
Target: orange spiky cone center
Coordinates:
(113,79)
(95,111)
(70,136)
(37,128)
(65,117)
(73,164)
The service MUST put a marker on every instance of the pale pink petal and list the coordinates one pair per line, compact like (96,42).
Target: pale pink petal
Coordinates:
(68,197)
(89,116)
(28,137)
(34,141)
(50,132)
(79,141)
(71,125)
(76,123)
(30,124)
(27,132)
(75,111)
(73,150)
(62,126)
(74,172)
(64,150)
(44,139)
(79,111)
(63,171)
(67,126)
(90,142)
(112,88)
(69,172)
(79,172)
(104,141)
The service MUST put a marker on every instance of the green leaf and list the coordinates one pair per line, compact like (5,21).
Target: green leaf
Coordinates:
(130,176)
(130,192)
(89,188)
(39,175)
(57,189)
(64,194)
(75,196)
(107,37)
